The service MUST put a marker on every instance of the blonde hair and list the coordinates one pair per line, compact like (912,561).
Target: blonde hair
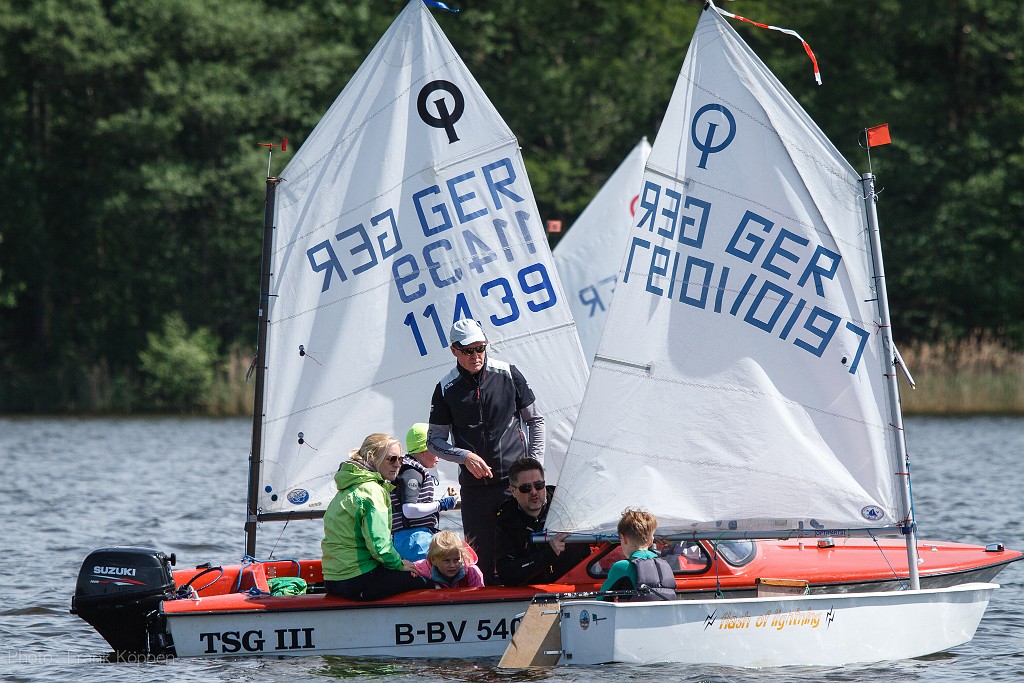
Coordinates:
(638,525)
(444,543)
(373,451)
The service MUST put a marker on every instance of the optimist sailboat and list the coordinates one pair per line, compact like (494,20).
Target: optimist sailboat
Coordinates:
(408,207)
(588,256)
(749,347)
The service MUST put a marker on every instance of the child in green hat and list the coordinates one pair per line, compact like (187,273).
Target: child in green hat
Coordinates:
(415,506)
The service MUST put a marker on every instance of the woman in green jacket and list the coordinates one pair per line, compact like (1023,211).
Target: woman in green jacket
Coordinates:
(360,562)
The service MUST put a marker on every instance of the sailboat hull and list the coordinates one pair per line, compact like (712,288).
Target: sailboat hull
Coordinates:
(811,630)
(459,625)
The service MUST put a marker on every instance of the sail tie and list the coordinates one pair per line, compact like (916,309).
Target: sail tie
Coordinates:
(807,48)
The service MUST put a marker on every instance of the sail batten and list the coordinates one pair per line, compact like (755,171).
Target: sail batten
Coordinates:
(747,390)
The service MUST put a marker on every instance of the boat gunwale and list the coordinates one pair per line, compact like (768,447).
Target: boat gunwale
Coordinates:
(243,602)
(811,597)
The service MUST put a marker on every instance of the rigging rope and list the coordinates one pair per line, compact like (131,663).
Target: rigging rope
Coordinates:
(903,586)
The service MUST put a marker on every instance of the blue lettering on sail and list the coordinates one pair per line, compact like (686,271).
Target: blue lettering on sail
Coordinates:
(505,302)
(441,219)
(590,295)
(691,220)
(485,198)
(480,247)
(323,258)
(775,297)
(703,137)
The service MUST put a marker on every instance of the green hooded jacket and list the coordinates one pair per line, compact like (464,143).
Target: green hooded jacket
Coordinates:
(357,525)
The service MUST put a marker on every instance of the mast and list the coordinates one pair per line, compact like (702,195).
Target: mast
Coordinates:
(895,414)
(255,453)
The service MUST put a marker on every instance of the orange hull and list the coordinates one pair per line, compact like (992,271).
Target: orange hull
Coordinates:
(139,605)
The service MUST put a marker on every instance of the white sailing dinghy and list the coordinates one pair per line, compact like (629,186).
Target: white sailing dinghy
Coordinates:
(407,208)
(749,350)
(588,257)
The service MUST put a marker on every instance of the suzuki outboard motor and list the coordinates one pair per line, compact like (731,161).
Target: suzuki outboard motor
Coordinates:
(119,590)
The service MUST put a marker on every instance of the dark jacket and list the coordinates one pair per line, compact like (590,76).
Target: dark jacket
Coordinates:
(483,411)
(520,561)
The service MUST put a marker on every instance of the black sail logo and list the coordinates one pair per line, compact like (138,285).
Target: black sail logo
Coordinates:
(444,118)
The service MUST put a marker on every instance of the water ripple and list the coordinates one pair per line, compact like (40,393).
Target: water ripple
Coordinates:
(78,494)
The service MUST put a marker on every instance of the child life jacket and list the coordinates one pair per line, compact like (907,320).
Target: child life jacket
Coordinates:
(654,580)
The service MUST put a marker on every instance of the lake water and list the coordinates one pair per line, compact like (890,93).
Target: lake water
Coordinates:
(73,485)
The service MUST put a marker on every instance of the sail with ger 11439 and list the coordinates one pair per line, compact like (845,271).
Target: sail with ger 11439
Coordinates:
(407,208)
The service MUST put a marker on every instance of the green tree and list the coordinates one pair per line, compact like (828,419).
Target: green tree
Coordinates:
(132,173)
(179,365)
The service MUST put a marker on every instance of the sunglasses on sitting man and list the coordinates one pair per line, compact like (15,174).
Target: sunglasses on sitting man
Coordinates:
(473,349)
(537,486)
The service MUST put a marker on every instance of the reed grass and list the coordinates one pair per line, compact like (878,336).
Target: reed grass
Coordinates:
(971,376)
(230,393)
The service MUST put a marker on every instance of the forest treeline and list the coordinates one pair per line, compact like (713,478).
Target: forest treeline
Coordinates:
(133,183)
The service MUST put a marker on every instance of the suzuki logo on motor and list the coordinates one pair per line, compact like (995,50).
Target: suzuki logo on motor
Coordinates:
(114,571)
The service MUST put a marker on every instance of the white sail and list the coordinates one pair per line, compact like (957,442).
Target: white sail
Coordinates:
(407,208)
(589,255)
(739,380)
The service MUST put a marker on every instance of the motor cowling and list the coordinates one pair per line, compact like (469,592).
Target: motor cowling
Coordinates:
(118,592)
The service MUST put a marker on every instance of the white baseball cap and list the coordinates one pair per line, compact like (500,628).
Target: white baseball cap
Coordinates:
(466,331)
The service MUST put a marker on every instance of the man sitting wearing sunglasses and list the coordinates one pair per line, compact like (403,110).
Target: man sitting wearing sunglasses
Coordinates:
(484,404)
(519,560)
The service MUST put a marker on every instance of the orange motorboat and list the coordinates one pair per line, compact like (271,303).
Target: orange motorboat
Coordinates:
(143,607)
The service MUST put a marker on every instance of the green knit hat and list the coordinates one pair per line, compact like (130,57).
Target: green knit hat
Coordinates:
(416,439)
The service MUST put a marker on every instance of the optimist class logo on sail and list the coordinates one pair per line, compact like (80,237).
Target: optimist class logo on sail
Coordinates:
(460,246)
(721,253)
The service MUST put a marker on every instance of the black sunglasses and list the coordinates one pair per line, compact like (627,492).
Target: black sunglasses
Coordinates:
(536,486)
(393,458)
(473,349)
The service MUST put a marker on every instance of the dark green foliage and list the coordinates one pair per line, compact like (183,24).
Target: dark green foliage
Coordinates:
(133,183)
(179,366)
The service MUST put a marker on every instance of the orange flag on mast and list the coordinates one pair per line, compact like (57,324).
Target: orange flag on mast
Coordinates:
(879,135)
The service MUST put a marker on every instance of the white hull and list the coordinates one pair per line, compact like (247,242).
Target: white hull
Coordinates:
(812,630)
(463,631)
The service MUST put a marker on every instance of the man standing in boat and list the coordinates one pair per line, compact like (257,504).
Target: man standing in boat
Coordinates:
(482,404)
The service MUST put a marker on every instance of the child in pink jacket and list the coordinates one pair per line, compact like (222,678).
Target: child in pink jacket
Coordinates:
(450,562)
